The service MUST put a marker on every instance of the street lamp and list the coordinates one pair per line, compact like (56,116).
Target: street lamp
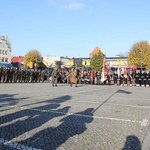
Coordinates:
(141,60)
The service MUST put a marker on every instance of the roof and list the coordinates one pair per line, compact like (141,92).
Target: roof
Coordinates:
(18,59)
(95,51)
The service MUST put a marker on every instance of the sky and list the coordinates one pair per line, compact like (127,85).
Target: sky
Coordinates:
(74,28)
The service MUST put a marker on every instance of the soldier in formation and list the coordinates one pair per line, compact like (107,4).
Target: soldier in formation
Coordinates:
(59,75)
(16,75)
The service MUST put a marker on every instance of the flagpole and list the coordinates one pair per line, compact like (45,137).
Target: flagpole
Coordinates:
(103,71)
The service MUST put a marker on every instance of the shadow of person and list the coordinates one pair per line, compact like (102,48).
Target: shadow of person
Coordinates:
(51,138)
(26,120)
(9,99)
(132,143)
(25,124)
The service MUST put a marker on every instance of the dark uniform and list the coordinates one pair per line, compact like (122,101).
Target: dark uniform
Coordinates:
(109,77)
(121,79)
(147,77)
(1,73)
(137,78)
(142,77)
(115,77)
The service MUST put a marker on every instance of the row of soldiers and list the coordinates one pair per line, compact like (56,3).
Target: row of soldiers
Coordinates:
(139,78)
(16,75)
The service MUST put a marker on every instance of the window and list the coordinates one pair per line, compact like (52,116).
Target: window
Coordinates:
(2,51)
(2,59)
(6,59)
(5,52)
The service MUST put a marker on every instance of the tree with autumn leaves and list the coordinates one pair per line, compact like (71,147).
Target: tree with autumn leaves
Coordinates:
(32,56)
(139,55)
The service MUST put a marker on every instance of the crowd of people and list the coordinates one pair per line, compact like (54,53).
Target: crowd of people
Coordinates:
(73,76)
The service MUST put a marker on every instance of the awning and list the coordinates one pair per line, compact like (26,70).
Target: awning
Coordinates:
(5,65)
(120,63)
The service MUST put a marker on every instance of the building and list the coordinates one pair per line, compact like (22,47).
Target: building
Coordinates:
(50,61)
(5,51)
(95,51)
(116,64)
(17,61)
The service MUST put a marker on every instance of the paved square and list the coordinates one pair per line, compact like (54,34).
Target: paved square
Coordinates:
(89,117)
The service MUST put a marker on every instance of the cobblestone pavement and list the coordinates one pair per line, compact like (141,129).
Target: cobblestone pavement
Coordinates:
(37,116)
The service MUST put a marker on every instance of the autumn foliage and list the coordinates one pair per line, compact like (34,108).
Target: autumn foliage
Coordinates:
(139,55)
(32,56)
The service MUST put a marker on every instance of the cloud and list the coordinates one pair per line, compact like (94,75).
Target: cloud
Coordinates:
(52,2)
(73,5)
(67,4)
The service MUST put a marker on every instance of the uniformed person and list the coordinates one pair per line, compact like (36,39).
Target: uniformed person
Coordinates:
(147,77)
(121,79)
(73,77)
(55,74)
(42,76)
(115,77)
(130,78)
(137,78)
(92,76)
(15,75)
(109,76)
(1,73)
(142,77)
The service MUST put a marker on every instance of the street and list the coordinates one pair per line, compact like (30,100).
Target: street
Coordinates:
(37,116)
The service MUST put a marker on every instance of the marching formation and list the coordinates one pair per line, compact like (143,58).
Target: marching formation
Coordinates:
(73,76)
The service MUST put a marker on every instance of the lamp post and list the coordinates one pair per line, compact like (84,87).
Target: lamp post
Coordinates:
(141,60)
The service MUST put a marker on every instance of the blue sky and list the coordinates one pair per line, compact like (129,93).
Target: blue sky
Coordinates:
(74,28)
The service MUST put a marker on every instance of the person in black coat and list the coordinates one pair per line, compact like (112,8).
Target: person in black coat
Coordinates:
(115,77)
(137,78)
(143,78)
(121,79)
(147,77)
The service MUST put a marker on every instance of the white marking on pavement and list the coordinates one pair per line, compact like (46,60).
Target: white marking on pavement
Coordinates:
(148,107)
(15,145)
(142,123)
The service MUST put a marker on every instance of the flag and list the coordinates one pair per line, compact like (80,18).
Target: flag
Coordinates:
(103,72)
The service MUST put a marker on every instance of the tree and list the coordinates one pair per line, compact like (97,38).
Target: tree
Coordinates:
(97,61)
(32,56)
(58,63)
(79,62)
(139,55)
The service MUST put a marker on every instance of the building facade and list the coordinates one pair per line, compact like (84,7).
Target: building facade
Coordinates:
(17,61)
(5,51)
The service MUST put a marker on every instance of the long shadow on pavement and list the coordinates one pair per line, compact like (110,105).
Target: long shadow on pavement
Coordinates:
(53,137)
(22,120)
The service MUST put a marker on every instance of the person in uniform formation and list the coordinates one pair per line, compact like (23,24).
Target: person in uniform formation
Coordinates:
(16,75)
(58,75)
(115,77)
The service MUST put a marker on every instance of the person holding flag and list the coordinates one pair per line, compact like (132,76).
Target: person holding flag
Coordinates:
(125,77)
